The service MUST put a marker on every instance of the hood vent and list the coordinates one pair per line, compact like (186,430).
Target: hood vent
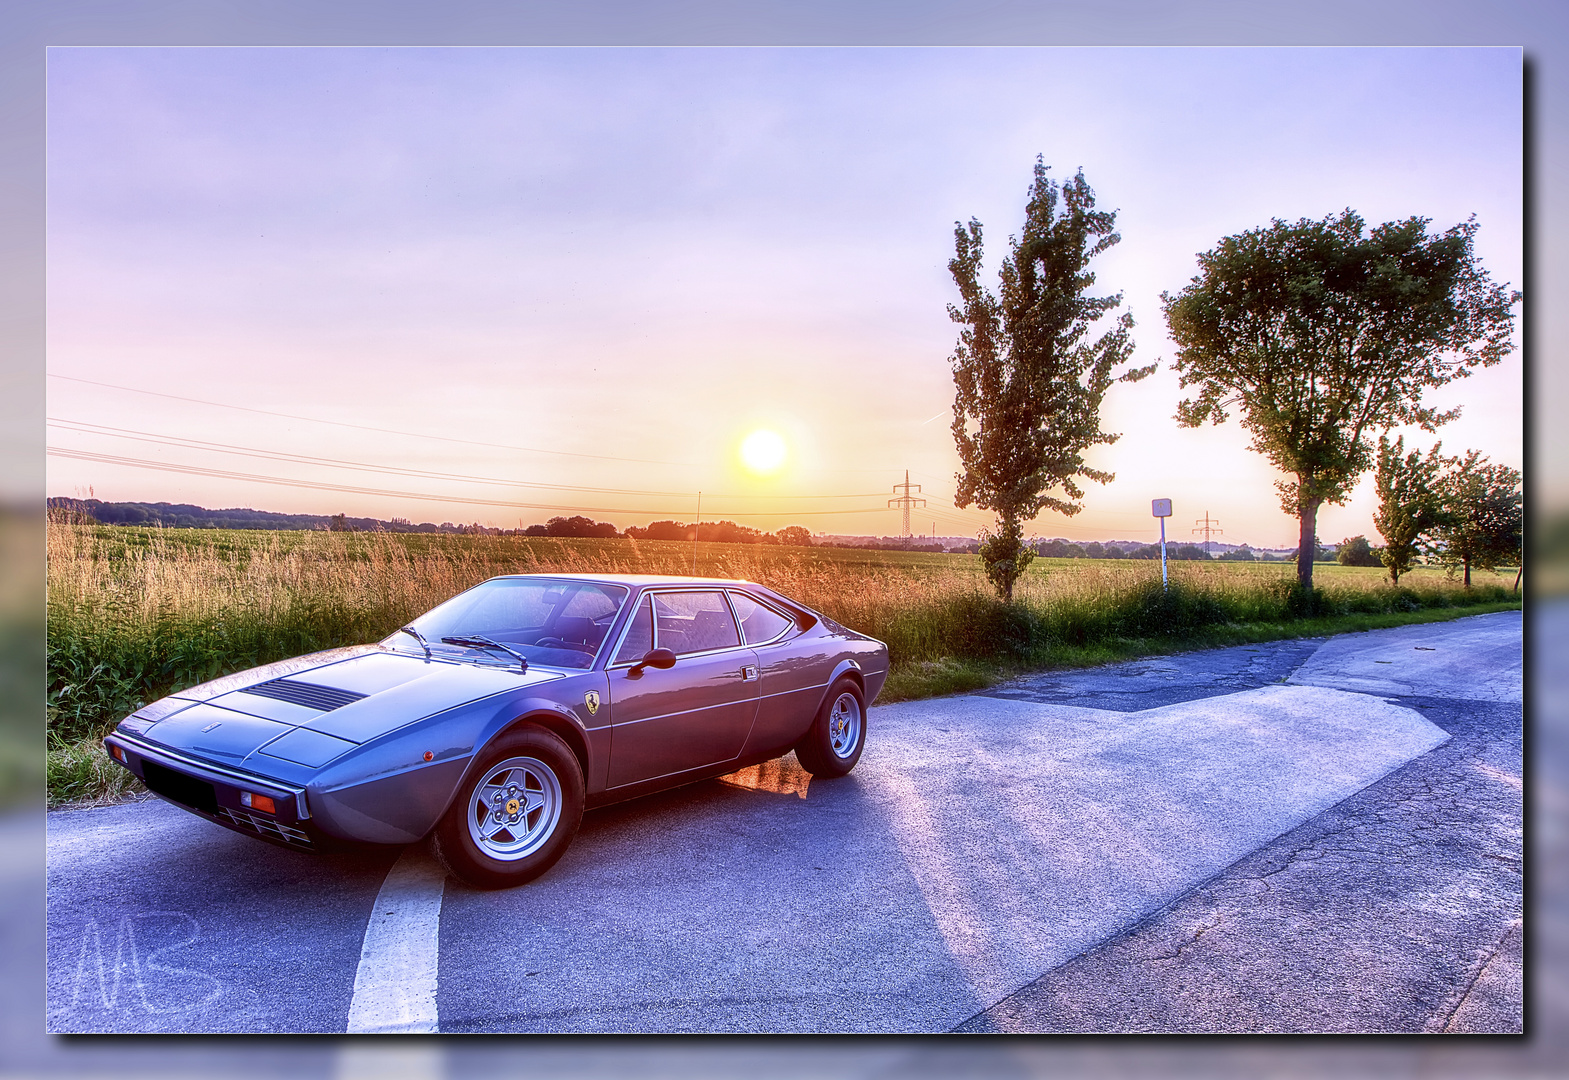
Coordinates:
(310,695)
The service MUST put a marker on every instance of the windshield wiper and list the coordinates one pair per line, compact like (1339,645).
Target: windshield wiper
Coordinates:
(474,640)
(417,636)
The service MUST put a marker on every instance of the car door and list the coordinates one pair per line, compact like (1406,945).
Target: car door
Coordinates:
(794,673)
(698,712)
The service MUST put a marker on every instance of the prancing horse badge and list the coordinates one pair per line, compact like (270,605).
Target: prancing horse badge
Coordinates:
(591,699)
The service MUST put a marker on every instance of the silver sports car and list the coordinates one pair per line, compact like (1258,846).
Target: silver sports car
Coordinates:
(491,722)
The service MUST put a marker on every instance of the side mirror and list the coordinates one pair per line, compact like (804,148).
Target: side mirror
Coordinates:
(655,658)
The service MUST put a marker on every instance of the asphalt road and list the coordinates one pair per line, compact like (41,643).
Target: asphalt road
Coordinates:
(1300,836)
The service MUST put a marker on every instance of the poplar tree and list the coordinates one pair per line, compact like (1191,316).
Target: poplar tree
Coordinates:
(1028,376)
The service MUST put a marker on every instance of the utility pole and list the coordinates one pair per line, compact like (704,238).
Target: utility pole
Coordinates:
(1207,522)
(905,501)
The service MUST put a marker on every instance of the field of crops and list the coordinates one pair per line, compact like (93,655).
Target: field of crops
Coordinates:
(136,613)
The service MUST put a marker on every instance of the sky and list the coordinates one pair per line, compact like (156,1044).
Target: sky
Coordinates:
(535,281)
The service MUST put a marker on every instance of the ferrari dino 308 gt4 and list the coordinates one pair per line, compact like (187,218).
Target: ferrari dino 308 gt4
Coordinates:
(491,722)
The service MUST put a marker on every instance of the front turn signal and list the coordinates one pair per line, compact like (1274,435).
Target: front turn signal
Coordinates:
(263,803)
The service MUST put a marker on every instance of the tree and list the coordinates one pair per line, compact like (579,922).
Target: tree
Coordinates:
(1322,334)
(1356,551)
(660,530)
(1480,520)
(1028,378)
(795,536)
(1407,486)
(579,526)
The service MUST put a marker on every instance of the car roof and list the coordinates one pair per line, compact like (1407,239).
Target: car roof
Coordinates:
(635,579)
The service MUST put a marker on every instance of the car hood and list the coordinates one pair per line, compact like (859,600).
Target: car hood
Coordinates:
(314,708)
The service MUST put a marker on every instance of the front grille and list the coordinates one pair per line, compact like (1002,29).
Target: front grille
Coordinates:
(310,695)
(183,789)
(265,825)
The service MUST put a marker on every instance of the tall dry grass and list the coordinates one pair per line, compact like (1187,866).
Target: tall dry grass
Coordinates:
(137,613)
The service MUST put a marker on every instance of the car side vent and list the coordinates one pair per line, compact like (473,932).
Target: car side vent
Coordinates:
(310,695)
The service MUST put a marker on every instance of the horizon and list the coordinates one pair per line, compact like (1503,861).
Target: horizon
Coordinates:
(1032,540)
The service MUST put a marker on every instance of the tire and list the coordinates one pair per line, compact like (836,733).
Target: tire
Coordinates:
(833,744)
(533,781)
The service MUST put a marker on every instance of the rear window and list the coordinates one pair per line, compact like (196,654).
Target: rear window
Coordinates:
(758,623)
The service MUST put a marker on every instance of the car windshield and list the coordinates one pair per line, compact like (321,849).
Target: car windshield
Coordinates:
(546,620)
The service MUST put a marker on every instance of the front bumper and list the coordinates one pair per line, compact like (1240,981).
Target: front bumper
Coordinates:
(214,792)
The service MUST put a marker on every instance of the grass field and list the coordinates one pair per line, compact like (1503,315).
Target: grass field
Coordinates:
(137,613)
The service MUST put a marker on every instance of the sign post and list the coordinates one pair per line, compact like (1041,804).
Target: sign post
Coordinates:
(1161,508)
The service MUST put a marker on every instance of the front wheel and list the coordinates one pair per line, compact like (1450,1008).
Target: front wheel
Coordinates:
(833,744)
(516,812)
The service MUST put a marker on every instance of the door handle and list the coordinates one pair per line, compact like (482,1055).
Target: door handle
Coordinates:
(748,672)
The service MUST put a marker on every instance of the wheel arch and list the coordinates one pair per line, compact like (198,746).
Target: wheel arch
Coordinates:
(558,724)
(540,715)
(847,668)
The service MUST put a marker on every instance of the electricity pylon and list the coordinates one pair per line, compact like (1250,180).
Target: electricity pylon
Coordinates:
(905,501)
(1207,522)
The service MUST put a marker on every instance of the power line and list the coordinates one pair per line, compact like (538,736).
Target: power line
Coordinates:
(306,459)
(314,485)
(396,470)
(366,427)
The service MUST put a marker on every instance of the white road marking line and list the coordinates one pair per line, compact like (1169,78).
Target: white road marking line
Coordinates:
(395,985)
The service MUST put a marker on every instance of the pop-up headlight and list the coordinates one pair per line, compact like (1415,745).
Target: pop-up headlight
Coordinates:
(148,715)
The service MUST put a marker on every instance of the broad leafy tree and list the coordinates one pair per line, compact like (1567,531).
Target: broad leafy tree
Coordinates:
(1407,486)
(1480,518)
(1028,374)
(1356,551)
(1322,334)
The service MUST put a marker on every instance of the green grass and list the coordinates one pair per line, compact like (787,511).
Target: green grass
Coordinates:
(914,680)
(136,613)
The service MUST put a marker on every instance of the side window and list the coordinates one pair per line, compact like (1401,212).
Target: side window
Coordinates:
(690,622)
(758,623)
(640,636)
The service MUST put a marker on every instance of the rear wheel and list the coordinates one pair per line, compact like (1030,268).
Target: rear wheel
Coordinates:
(516,812)
(833,744)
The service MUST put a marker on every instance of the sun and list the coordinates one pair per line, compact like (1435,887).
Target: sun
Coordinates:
(763,451)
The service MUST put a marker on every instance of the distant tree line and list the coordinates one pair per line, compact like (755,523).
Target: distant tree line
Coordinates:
(1065,549)
(187,516)
(895,543)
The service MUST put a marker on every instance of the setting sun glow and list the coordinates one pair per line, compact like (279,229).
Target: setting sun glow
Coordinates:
(763,452)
